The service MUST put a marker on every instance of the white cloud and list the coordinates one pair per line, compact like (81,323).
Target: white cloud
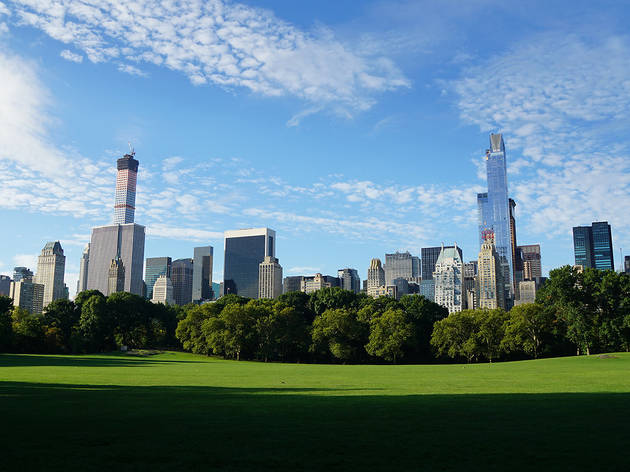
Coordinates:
(180,233)
(220,42)
(303,270)
(563,105)
(71,56)
(26,260)
(132,70)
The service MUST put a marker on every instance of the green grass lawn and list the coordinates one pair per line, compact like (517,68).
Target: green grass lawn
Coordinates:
(177,411)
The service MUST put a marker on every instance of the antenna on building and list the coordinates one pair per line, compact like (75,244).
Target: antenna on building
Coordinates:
(131,150)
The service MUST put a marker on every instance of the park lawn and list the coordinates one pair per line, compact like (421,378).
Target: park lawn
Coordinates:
(177,411)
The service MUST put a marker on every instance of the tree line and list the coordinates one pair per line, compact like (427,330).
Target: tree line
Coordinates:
(575,312)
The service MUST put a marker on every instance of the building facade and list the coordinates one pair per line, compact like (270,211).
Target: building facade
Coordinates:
(83,269)
(163,290)
(532,266)
(489,275)
(269,278)
(203,260)
(626,264)
(470,284)
(154,268)
(116,279)
(401,265)
(5,285)
(376,277)
(429,259)
(349,279)
(51,268)
(27,295)
(22,274)
(448,279)
(125,200)
(292,283)
(494,210)
(318,281)
(245,249)
(592,246)
(182,278)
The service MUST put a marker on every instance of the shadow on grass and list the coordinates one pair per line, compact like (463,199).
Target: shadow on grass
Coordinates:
(61,427)
(108,360)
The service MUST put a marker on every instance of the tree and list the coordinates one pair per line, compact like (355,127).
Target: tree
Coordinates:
(6,330)
(232,333)
(389,334)
(131,321)
(331,298)
(63,315)
(29,331)
(96,324)
(423,314)
(490,331)
(529,327)
(339,333)
(455,336)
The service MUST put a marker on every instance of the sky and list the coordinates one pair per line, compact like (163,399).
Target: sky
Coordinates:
(352,128)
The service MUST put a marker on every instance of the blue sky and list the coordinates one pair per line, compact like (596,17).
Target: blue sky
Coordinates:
(351,128)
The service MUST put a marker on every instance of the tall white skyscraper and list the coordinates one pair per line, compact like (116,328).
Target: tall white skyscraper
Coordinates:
(83,269)
(448,279)
(376,277)
(51,267)
(269,278)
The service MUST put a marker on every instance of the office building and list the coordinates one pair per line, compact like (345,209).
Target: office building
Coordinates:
(427,289)
(22,274)
(27,295)
(124,239)
(163,290)
(116,278)
(448,279)
(182,278)
(155,267)
(517,257)
(269,278)
(349,279)
(126,178)
(292,283)
(402,286)
(429,258)
(528,290)
(245,249)
(83,269)
(376,277)
(318,281)
(203,260)
(385,291)
(51,267)
(532,266)
(5,285)
(489,275)
(401,265)
(469,284)
(626,264)
(592,246)
(494,211)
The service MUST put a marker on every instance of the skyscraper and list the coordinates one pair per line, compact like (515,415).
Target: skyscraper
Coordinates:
(448,279)
(163,290)
(22,274)
(626,264)
(490,283)
(430,256)
(28,295)
(401,265)
(83,269)
(51,267)
(155,267)
(245,249)
(532,266)
(592,246)
(182,278)
(202,274)
(349,279)
(494,210)
(292,283)
(469,284)
(124,239)
(269,278)
(5,285)
(376,277)
(126,178)
(116,280)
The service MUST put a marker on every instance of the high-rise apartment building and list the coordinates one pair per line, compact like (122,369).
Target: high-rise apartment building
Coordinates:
(28,295)
(203,260)
(292,283)
(51,267)
(126,178)
(124,239)
(448,279)
(592,246)
(269,278)
(427,289)
(5,285)
(318,281)
(430,256)
(83,269)
(349,279)
(494,210)
(154,268)
(469,284)
(163,290)
(22,274)
(376,277)
(245,249)
(532,266)
(401,265)
(116,279)
(489,275)
(182,278)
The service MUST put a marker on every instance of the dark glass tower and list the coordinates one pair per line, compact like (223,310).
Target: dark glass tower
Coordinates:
(202,274)
(429,256)
(592,246)
(155,267)
(244,250)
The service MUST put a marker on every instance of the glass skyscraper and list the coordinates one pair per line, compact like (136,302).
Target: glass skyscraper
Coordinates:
(202,274)
(155,267)
(494,208)
(244,250)
(592,246)
(430,256)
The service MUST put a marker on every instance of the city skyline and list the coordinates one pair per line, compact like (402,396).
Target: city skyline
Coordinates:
(351,167)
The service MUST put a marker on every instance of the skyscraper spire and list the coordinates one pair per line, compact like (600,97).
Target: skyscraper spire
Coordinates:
(124,204)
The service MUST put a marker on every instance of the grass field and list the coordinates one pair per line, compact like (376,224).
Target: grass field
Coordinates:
(177,411)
